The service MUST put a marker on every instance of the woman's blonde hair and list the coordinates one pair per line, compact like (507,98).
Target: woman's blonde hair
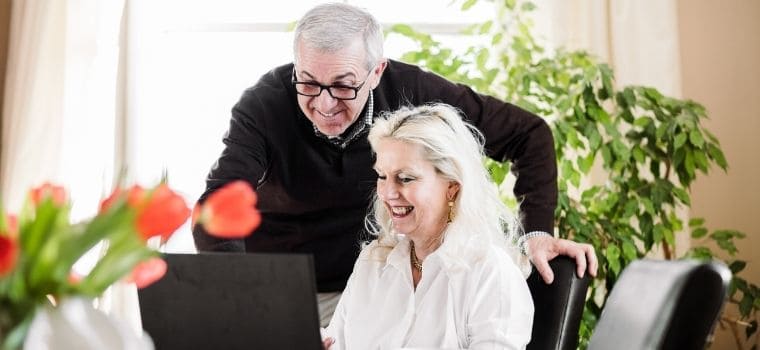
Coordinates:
(455,149)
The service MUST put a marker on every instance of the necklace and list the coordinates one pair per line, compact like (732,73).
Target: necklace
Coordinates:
(413,257)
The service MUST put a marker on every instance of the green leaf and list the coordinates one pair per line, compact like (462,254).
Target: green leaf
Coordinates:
(403,29)
(482,58)
(745,306)
(607,156)
(638,155)
(688,164)
(486,27)
(679,141)
(682,195)
(701,253)
(695,137)
(585,163)
(661,130)
(717,155)
(699,233)
(648,206)
(700,160)
(727,234)
(737,266)
(629,251)
(468,4)
(613,258)
(606,73)
(693,222)
(599,114)
(658,233)
(629,96)
(575,178)
(642,121)
(669,236)
(497,170)
(728,246)
(631,209)
(528,6)
(612,252)
(497,38)
(621,151)
(594,138)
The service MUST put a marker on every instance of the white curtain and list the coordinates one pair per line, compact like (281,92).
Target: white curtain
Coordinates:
(60,94)
(63,95)
(638,38)
(33,101)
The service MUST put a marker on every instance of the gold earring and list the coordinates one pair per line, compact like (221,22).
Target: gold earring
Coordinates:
(451,212)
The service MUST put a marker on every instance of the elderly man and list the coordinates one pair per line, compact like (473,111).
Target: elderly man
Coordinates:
(299,136)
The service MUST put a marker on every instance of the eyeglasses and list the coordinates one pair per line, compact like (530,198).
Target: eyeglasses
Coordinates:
(337,91)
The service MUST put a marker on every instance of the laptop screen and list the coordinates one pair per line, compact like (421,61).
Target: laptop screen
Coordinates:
(233,301)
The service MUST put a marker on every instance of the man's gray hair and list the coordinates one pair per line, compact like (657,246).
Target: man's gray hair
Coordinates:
(333,26)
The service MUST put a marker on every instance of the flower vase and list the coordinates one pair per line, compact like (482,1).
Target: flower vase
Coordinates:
(75,324)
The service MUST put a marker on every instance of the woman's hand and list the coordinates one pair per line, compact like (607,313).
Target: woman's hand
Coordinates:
(328,342)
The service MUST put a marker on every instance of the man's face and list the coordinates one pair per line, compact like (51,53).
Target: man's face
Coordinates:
(345,67)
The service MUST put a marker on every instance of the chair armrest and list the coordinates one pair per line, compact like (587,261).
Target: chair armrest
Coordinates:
(558,306)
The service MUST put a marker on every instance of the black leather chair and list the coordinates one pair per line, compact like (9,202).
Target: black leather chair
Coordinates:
(559,306)
(662,305)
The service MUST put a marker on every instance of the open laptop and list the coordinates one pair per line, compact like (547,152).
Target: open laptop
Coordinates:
(233,301)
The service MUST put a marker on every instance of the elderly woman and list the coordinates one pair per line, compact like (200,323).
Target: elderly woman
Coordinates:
(443,271)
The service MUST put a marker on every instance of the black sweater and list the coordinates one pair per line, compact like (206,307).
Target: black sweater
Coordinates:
(314,196)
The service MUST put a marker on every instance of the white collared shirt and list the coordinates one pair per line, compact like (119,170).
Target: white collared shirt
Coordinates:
(486,305)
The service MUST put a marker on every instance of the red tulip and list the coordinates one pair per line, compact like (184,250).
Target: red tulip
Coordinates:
(134,197)
(147,272)
(8,254)
(74,278)
(48,190)
(11,223)
(109,201)
(230,212)
(160,212)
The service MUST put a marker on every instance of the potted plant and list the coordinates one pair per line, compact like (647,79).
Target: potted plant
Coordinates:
(39,247)
(651,148)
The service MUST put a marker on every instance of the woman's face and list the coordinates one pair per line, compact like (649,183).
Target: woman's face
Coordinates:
(415,195)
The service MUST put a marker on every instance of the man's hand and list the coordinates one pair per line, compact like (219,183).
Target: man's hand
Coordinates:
(541,249)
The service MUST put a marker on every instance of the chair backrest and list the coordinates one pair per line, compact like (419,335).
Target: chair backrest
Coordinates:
(558,306)
(662,305)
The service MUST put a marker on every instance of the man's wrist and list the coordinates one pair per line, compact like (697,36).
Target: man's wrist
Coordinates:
(522,241)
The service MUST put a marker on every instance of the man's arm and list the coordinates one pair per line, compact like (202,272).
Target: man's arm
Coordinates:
(244,157)
(535,166)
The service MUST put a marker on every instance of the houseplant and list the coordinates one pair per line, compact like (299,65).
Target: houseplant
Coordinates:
(39,247)
(651,148)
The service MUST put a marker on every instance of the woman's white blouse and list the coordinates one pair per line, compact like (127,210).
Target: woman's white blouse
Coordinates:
(483,306)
